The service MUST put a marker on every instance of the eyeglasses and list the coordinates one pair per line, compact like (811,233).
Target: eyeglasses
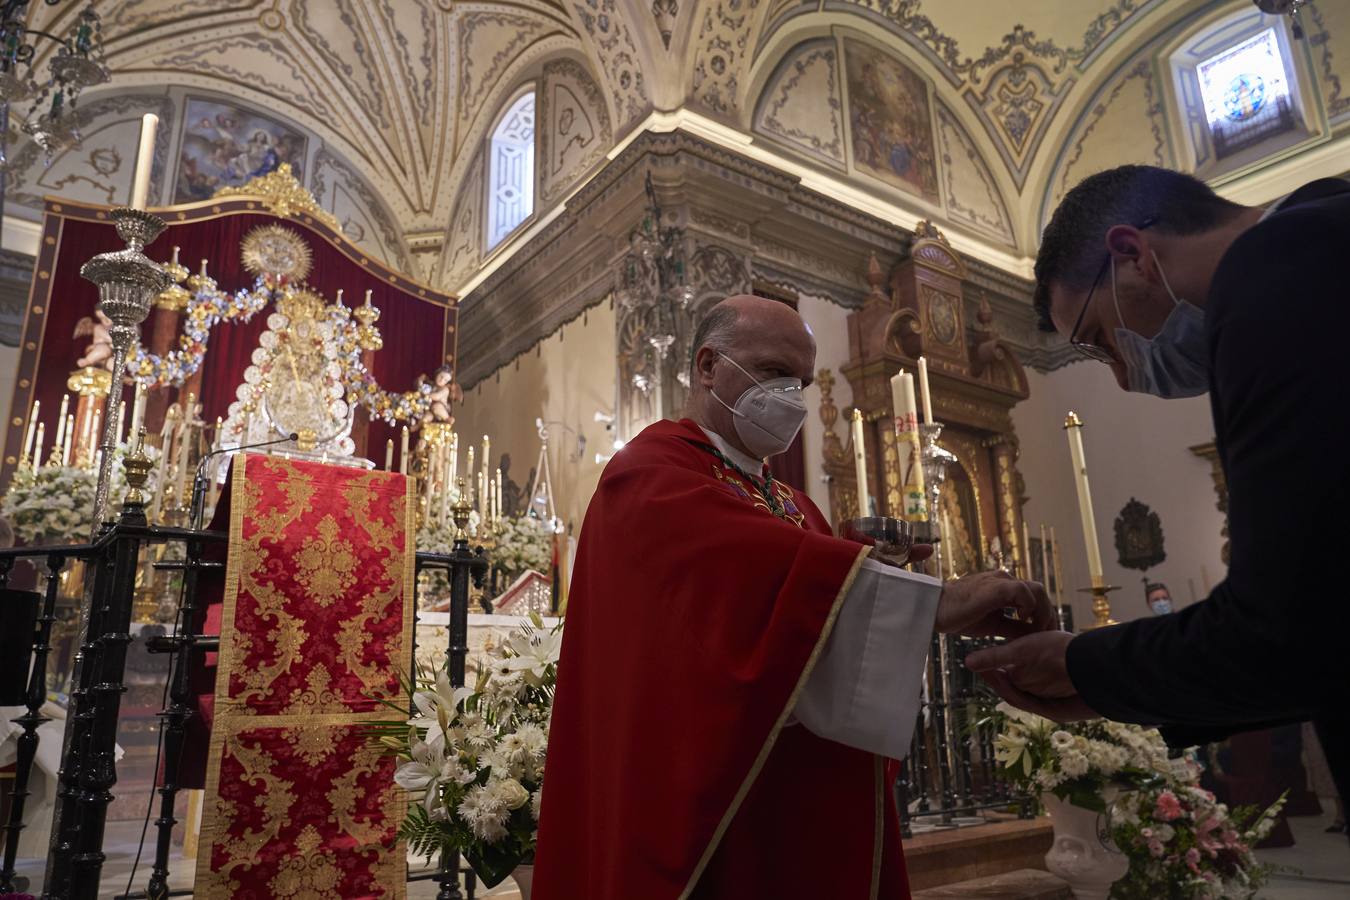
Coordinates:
(1087,348)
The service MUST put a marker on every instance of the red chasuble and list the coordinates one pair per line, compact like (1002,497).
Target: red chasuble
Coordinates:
(674,767)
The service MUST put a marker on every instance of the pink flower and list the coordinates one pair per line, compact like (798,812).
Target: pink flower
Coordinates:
(1193,860)
(1155,847)
(1169,807)
(1146,832)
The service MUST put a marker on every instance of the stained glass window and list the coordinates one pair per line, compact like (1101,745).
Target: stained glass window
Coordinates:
(1246,93)
(511,170)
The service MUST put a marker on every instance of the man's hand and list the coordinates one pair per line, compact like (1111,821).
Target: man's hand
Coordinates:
(974,606)
(1032,673)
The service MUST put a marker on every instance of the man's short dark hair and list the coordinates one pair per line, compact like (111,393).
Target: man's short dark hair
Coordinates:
(1073,244)
(715,329)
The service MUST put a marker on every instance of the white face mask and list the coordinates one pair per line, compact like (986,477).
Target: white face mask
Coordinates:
(769,414)
(1160,607)
(1175,361)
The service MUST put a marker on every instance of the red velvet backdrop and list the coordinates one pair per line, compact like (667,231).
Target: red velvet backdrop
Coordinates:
(414,329)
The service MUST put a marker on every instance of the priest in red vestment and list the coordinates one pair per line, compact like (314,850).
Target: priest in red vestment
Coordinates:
(732,676)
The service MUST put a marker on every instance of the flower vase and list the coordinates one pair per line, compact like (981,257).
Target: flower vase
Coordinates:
(523,876)
(1083,853)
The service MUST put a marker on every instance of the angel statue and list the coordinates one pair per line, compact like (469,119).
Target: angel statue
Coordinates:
(445,393)
(100,352)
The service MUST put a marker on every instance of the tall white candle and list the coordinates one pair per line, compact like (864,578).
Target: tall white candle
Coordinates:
(1074,427)
(1026,550)
(454,458)
(37,446)
(497,496)
(32,430)
(403,452)
(68,440)
(389,455)
(86,429)
(145,161)
(926,397)
(860,465)
(468,470)
(98,422)
(137,412)
(61,423)
(913,500)
(1045,559)
(121,421)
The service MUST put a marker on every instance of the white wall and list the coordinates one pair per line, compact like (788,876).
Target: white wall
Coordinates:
(565,379)
(1135,446)
(828,322)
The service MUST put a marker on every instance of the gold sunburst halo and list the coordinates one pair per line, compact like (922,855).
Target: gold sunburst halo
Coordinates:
(276,250)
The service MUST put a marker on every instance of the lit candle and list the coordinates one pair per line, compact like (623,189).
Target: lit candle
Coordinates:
(61,423)
(950,555)
(69,439)
(926,397)
(1059,572)
(403,452)
(860,465)
(32,431)
(1026,549)
(86,428)
(98,421)
(389,455)
(913,502)
(137,412)
(454,458)
(482,495)
(468,470)
(37,445)
(184,434)
(445,493)
(1045,559)
(487,456)
(1074,426)
(121,421)
(145,161)
(497,495)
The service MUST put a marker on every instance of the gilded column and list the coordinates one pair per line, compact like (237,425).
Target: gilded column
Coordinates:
(1007,495)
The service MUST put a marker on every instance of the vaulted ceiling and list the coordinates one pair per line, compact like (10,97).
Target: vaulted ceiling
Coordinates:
(404,88)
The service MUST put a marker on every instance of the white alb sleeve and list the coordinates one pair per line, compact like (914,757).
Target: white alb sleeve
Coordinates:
(865,689)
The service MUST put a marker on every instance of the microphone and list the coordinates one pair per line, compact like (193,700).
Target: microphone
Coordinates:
(199,480)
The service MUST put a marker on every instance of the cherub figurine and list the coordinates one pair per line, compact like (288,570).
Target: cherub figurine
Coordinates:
(100,352)
(445,393)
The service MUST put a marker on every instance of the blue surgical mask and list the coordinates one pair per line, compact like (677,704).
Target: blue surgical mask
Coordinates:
(1160,607)
(1175,361)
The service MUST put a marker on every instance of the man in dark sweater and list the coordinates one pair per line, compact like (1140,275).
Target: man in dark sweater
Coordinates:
(1180,292)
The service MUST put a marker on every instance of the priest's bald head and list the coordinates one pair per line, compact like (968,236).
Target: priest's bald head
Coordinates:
(750,359)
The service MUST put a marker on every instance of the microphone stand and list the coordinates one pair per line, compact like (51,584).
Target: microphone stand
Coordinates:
(198,510)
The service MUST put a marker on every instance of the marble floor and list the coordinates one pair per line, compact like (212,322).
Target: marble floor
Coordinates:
(1317,867)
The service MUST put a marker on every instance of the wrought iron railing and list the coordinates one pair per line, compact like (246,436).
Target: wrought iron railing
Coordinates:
(107,592)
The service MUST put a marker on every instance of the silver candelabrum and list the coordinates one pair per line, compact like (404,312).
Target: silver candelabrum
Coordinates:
(935,461)
(128,281)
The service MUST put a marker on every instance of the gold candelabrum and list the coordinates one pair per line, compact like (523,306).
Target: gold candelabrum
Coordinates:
(1101,606)
(127,282)
(460,511)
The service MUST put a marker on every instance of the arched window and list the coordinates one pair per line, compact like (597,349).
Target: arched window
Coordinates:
(1246,93)
(511,170)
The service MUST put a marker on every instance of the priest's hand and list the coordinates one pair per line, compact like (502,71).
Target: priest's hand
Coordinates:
(974,606)
(1032,673)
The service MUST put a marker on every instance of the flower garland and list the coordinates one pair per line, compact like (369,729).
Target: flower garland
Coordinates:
(207,307)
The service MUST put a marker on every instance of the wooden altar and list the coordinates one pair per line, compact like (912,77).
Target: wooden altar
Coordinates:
(976,380)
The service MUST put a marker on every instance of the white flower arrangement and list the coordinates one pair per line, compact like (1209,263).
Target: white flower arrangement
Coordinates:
(474,757)
(1075,762)
(1180,841)
(436,536)
(525,543)
(55,504)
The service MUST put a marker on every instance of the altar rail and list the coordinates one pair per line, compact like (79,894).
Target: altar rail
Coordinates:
(104,574)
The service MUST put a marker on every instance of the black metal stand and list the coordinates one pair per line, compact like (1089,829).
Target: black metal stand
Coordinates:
(464,565)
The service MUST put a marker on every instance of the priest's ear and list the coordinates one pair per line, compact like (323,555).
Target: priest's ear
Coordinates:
(704,361)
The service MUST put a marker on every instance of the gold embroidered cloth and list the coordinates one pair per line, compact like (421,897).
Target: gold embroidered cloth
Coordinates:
(316,626)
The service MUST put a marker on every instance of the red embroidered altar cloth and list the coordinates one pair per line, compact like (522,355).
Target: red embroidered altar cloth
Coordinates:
(316,626)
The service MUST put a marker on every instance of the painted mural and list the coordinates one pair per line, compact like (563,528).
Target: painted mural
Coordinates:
(225,145)
(891,126)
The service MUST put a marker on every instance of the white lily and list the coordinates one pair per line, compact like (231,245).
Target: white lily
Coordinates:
(534,653)
(424,772)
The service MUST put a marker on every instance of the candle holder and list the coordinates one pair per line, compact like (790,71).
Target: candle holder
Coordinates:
(1101,605)
(127,282)
(935,461)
